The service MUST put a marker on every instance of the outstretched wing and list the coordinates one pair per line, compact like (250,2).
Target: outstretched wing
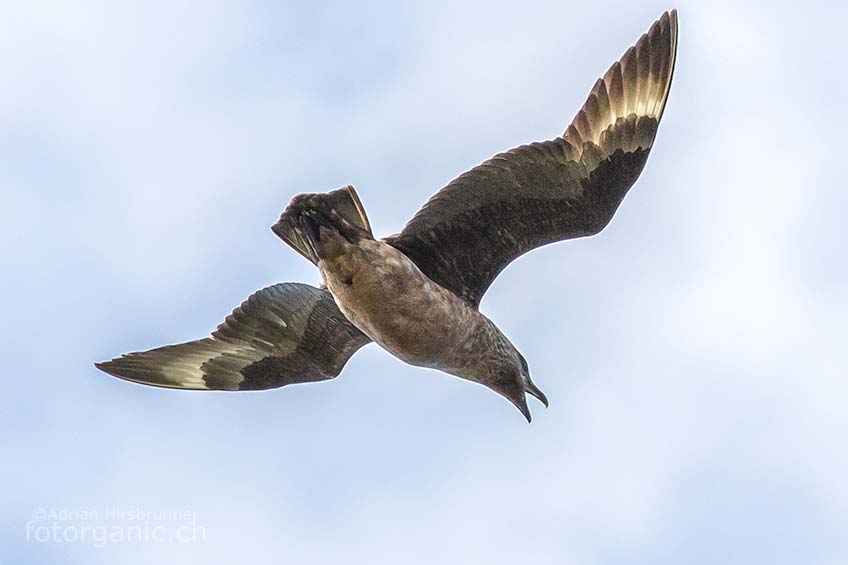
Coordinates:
(546,192)
(286,333)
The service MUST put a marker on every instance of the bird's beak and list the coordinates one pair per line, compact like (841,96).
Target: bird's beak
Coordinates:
(521,404)
(532,389)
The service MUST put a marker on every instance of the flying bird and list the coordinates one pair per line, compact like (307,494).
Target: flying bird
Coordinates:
(417,293)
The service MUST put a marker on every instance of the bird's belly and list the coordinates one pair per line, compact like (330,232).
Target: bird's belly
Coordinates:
(387,297)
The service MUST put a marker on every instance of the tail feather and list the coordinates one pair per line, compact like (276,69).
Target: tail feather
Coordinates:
(341,209)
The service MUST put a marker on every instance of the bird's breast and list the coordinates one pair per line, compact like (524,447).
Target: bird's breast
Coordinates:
(386,296)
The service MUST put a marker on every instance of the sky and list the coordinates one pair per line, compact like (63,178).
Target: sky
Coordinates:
(693,351)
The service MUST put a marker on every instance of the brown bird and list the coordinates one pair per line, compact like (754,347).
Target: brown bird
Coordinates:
(417,293)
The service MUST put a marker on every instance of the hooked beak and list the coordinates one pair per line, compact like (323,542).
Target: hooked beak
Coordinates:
(533,390)
(521,404)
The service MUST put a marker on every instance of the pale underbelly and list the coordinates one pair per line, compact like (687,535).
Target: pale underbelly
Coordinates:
(419,330)
(402,310)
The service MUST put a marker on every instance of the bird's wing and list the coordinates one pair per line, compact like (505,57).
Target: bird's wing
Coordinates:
(546,192)
(286,333)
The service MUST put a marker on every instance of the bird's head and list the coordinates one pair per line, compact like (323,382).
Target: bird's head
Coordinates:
(512,380)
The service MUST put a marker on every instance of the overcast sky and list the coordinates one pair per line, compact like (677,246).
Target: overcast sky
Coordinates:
(693,352)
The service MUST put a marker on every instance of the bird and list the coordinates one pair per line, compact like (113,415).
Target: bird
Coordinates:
(417,293)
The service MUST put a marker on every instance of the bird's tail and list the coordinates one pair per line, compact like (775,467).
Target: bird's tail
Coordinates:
(339,211)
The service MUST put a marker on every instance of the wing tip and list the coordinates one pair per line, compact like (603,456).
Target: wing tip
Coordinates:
(123,368)
(113,368)
(673,28)
(117,367)
(637,84)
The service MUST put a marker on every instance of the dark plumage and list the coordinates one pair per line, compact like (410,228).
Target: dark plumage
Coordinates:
(417,293)
(286,333)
